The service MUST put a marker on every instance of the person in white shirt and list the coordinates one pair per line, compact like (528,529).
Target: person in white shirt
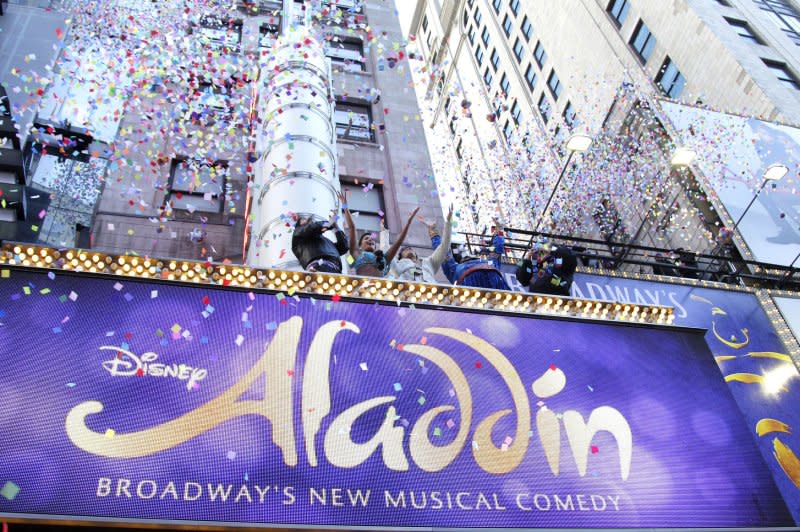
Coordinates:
(409,267)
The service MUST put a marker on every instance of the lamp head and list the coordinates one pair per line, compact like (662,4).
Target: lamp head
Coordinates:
(579,143)
(683,157)
(775,172)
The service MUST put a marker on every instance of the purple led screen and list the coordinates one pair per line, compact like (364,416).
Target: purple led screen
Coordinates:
(132,400)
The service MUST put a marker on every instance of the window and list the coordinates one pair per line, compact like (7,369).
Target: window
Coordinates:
(210,101)
(505,86)
(784,15)
(365,200)
(723,3)
(618,9)
(353,121)
(782,72)
(544,108)
(429,41)
(496,5)
(477,16)
(268,32)
(554,84)
(196,185)
(515,112)
(530,76)
(669,79)
(514,7)
(479,55)
(507,26)
(460,149)
(447,103)
(347,53)
(507,129)
(485,35)
(487,76)
(424,23)
(466,18)
(518,50)
(527,29)
(570,118)
(471,35)
(643,42)
(495,59)
(540,54)
(744,30)
(219,33)
(452,125)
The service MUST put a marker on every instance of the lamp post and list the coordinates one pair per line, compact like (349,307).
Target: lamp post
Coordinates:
(772,173)
(576,143)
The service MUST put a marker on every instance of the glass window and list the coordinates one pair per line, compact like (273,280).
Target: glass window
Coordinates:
(643,41)
(554,84)
(487,76)
(518,50)
(466,18)
(670,80)
(514,7)
(744,30)
(346,52)
(544,108)
(425,23)
(268,32)
(507,26)
(530,76)
(471,35)
(353,121)
(485,35)
(477,16)
(479,55)
(460,149)
(618,9)
(540,54)
(216,32)
(516,112)
(452,125)
(496,5)
(365,200)
(570,118)
(782,72)
(505,86)
(784,15)
(74,186)
(507,129)
(495,59)
(527,29)
(196,185)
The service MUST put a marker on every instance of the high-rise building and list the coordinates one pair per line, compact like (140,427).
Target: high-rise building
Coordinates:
(507,82)
(150,132)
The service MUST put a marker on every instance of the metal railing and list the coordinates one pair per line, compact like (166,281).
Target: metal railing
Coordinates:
(725,266)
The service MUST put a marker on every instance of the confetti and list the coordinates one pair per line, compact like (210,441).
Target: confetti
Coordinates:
(231,455)
(363,366)
(110,433)
(9,490)
(117,286)
(398,387)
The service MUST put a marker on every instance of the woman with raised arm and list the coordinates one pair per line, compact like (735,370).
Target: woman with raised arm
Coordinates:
(410,267)
(368,259)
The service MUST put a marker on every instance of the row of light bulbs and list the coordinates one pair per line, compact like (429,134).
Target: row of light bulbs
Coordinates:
(329,284)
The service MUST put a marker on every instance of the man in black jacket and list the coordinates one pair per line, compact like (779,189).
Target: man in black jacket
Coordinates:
(315,252)
(548,269)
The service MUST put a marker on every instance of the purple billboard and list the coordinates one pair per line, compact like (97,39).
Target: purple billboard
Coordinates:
(128,400)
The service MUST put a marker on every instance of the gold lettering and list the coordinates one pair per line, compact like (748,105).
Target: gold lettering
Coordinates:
(427,456)
(580,434)
(342,451)
(277,406)
(316,382)
(488,456)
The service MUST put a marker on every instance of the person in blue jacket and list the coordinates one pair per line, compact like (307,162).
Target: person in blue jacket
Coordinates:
(482,271)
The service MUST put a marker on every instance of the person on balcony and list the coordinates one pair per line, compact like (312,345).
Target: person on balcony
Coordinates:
(481,271)
(548,269)
(368,260)
(314,251)
(409,267)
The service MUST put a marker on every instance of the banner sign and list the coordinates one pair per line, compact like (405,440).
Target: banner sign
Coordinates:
(124,399)
(750,355)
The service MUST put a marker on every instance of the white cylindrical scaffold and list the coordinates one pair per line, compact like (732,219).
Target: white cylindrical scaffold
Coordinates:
(296,172)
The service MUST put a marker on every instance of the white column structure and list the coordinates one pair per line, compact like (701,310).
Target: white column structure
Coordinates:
(296,171)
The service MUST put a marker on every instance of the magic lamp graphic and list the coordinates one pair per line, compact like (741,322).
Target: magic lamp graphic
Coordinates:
(773,382)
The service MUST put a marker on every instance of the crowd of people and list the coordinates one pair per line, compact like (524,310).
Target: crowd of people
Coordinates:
(546,268)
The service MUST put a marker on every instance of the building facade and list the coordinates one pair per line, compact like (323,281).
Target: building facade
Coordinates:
(145,136)
(506,82)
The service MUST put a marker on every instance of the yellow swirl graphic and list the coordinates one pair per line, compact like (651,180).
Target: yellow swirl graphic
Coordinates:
(770,354)
(767,425)
(788,461)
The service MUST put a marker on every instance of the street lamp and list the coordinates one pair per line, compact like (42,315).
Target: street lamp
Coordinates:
(576,143)
(773,173)
(682,157)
